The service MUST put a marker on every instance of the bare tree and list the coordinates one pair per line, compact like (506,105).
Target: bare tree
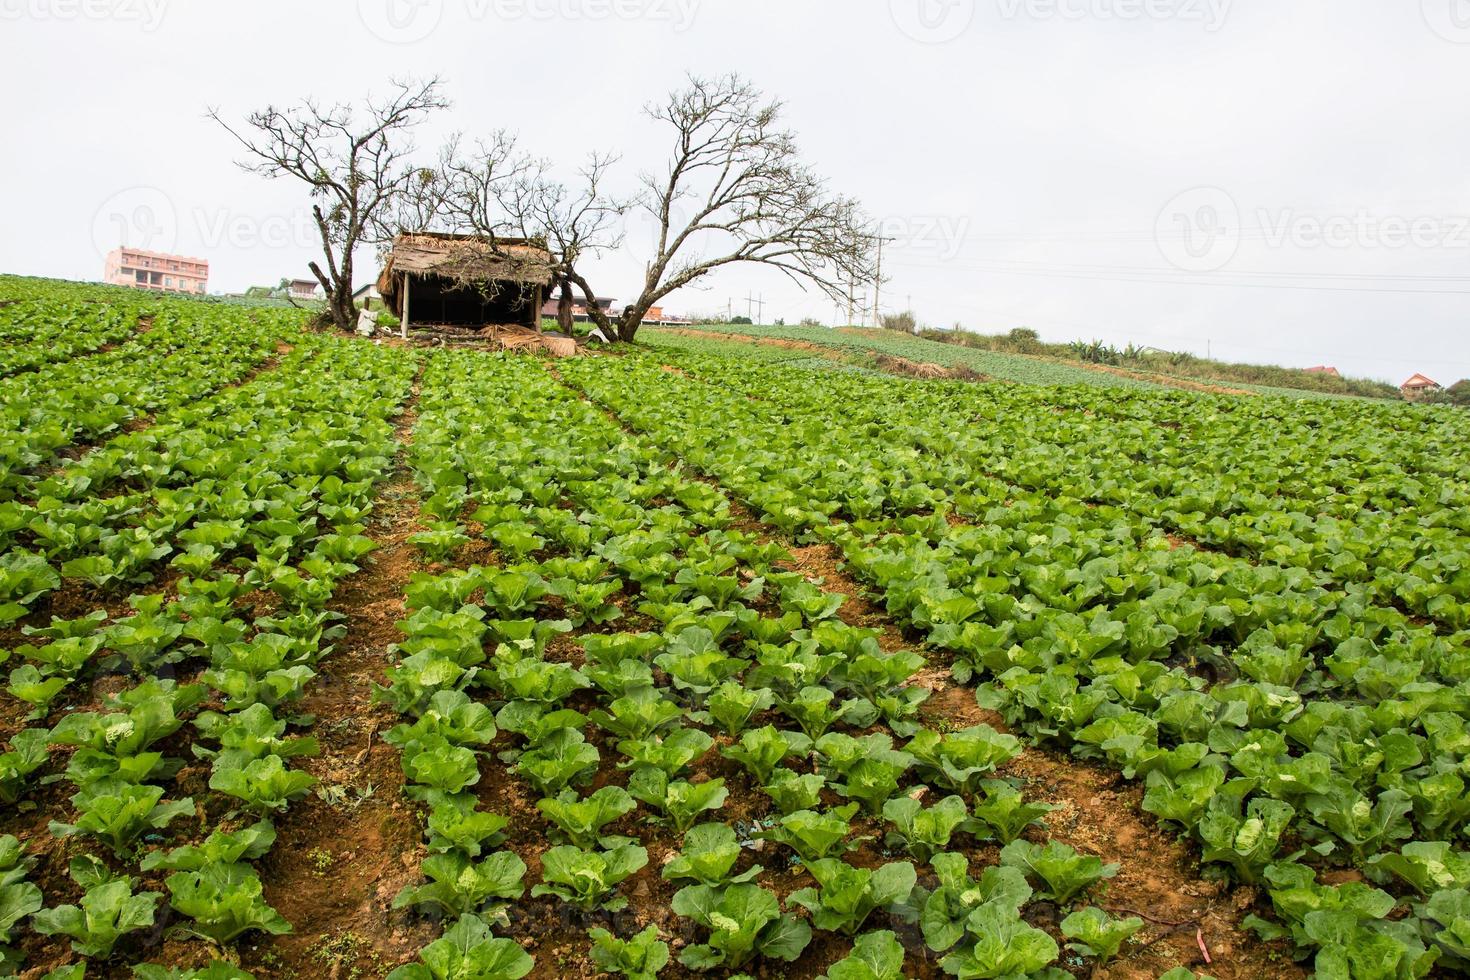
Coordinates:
(358,163)
(735,191)
(574,223)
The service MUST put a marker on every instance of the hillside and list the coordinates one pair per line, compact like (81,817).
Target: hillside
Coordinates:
(1054,366)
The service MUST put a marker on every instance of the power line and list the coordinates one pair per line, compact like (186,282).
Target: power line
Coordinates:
(1162,278)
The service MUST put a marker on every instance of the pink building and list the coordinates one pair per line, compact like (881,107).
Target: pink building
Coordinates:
(156,270)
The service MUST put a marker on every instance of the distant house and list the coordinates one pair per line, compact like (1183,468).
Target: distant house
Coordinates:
(1418,386)
(367,297)
(302,288)
(156,270)
(1322,369)
(579,308)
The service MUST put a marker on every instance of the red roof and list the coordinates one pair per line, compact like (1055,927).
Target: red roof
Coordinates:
(1322,369)
(1419,381)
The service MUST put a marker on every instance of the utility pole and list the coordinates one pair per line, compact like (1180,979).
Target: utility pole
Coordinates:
(849,304)
(760,308)
(878,287)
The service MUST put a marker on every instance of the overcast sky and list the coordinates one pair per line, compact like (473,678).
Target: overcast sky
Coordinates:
(1268,181)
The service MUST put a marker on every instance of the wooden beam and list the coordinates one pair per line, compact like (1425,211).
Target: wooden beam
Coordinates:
(403,327)
(536,308)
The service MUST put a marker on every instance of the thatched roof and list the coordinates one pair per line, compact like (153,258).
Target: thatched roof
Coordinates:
(468,259)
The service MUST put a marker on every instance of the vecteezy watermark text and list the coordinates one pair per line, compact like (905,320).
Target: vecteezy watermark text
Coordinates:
(941,21)
(410,21)
(1210,14)
(147,14)
(940,237)
(146,218)
(1202,229)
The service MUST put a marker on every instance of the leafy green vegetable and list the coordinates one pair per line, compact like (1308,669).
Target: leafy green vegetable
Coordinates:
(263,785)
(459,885)
(224,901)
(760,751)
(117,813)
(923,832)
(732,705)
(845,896)
(639,957)
(814,835)
(680,800)
(1001,945)
(1004,813)
(582,820)
(791,791)
(468,951)
(874,956)
(709,855)
(743,921)
(109,911)
(960,761)
(1097,934)
(563,759)
(946,910)
(1064,872)
(588,878)
(1249,841)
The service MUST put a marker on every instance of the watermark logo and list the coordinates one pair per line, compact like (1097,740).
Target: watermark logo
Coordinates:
(1210,14)
(1450,19)
(401,21)
(146,218)
(139,217)
(411,21)
(932,21)
(147,14)
(1288,228)
(936,237)
(1199,230)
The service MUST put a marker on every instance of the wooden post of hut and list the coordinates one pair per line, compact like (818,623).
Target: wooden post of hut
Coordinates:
(403,327)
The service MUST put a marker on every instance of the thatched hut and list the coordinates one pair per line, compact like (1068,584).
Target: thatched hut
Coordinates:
(439,279)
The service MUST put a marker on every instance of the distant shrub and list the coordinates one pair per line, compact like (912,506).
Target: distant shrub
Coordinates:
(904,322)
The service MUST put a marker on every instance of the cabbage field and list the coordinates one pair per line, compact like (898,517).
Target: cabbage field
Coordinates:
(327,658)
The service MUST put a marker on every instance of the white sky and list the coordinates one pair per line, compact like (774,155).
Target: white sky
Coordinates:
(1165,172)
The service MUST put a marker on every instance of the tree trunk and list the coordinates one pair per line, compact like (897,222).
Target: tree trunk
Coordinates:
(594,312)
(564,308)
(339,299)
(630,321)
